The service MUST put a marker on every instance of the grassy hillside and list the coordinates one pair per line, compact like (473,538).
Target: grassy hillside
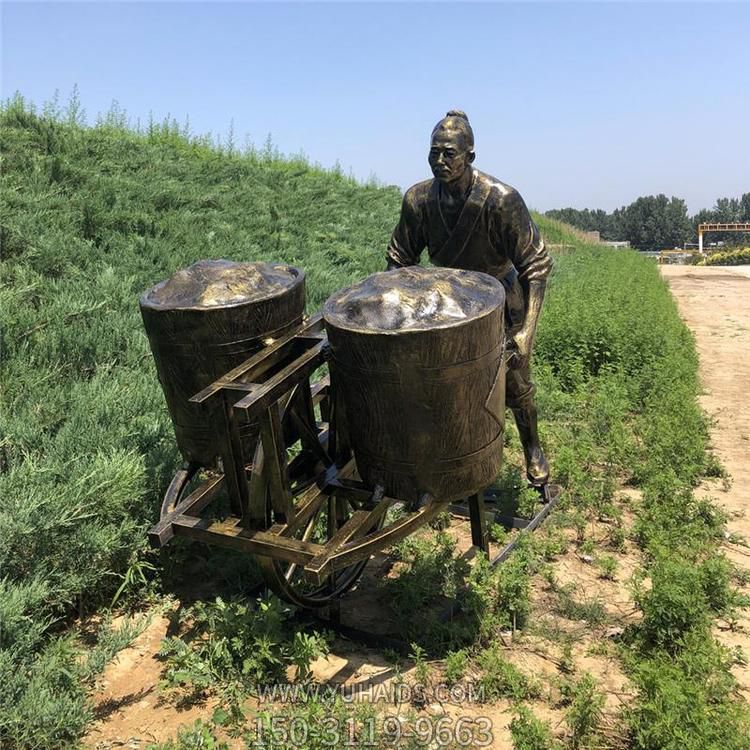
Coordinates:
(90,217)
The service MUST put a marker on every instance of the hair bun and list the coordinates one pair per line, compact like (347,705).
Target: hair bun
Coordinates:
(457,113)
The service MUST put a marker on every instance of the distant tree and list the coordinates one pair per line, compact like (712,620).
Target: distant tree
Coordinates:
(586,220)
(655,222)
(726,211)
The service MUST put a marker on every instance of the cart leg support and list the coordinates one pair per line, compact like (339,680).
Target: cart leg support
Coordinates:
(479,533)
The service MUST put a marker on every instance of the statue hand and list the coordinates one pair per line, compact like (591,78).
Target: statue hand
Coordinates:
(521,349)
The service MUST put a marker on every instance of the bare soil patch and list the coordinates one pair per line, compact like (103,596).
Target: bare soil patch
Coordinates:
(715,304)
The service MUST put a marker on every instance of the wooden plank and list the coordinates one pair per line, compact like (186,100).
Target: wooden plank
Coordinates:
(479,534)
(194,503)
(268,352)
(350,529)
(257,489)
(552,494)
(310,440)
(362,548)
(274,464)
(283,381)
(301,516)
(308,502)
(354,490)
(230,533)
(234,462)
(319,387)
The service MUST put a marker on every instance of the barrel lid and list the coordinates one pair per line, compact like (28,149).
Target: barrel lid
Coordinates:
(221,283)
(412,299)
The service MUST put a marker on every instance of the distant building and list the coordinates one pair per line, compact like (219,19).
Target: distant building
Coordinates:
(616,243)
(593,235)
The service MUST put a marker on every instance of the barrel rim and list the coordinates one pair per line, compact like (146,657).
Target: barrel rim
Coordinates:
(299,280)
(401,332)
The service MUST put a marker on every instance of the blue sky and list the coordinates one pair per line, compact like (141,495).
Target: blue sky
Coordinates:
(580,104)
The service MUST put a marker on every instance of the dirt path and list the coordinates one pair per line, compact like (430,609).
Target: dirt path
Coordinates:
(715,304)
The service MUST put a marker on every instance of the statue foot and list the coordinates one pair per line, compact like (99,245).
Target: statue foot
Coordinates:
(537,467)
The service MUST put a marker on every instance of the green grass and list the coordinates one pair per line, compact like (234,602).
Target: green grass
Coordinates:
(90,217)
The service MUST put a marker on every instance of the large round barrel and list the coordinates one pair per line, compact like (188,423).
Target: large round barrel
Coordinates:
(418,355)
(205,320)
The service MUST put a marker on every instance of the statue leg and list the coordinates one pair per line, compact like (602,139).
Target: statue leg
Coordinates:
(519,397)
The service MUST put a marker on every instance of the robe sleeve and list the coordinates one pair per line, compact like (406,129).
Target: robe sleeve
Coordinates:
(516,231)
(408,239)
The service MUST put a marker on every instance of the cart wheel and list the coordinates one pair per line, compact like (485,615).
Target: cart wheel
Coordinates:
(287,579)
(176,490)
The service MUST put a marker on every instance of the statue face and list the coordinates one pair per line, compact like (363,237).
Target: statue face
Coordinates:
(449,157)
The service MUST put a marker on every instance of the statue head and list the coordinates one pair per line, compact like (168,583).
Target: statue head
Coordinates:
(451,147)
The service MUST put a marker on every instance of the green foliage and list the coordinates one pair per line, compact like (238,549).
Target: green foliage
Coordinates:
(432,573)
(45,705)
(421,668)
(607,565)
(456,663)
(584,711)
(578,607)
(686,700)
(530,733)
(198,736)
(737,257)
(238,642)
(655,222)
(501,679)
(134,579)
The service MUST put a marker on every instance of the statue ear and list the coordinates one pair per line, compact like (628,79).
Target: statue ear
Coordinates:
(472,156)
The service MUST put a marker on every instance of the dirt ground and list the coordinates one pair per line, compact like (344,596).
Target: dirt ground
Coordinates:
(715,303)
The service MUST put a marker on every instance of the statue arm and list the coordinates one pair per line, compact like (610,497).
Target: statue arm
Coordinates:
(525,248)
(533,299)
(407,241)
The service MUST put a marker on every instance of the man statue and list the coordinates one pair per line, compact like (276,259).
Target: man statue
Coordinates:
(470,220)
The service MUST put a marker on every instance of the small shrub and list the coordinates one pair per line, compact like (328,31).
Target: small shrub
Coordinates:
(616,538)
(686,701)
(456,663)
(501,679)
(240,642)
(530,733)
(568,606)
(432,572)
(498,533)
(421,668)
(199,736)
(716,574)
(674,606)
(607,565)
(737,257)
(584,712)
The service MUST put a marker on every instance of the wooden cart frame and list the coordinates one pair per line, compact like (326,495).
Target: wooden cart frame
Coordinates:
(297,504)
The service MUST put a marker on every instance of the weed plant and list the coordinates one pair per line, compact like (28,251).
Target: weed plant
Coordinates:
(501,679)
(236,642)
(529,733)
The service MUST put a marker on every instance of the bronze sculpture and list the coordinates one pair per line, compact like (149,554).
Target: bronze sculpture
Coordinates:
(203,321)
(418,356)
(470,220)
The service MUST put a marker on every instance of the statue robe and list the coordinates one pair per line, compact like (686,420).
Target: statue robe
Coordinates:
(494,233)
